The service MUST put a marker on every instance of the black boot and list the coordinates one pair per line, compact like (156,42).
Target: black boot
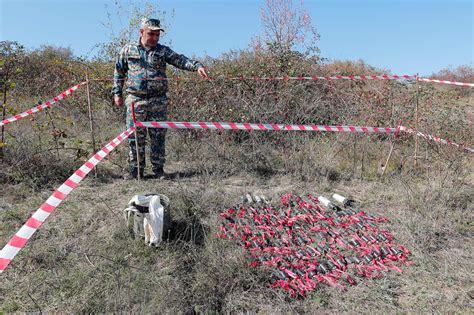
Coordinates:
(134,173)
(158,172)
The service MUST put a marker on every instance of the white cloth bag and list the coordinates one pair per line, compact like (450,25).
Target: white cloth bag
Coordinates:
(153,220)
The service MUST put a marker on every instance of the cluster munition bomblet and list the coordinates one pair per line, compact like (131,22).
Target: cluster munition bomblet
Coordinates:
(326,267)
(328,204)
(395,251)
(349,203)
(368,258)
(341,261)
(360,225)
(385,250)
(371,238)
(301,253)
(248,198)
(353,260)
(264,199)
(257,198)
(364,238)
(354,242)
(381,237)
(280,275)
(351,207)
(331,265)
(299,272)
(301,242)
(353,228)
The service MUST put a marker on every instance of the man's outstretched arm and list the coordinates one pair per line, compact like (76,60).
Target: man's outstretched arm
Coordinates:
(184,63)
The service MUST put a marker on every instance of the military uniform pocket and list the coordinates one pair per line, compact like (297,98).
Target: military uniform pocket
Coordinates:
(134,63)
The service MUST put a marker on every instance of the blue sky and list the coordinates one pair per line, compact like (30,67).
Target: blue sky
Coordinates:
(403,36)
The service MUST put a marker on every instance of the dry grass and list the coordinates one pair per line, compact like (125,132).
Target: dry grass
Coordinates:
(83,259)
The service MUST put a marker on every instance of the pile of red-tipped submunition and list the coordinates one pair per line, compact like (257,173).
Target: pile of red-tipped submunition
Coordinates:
(309,241)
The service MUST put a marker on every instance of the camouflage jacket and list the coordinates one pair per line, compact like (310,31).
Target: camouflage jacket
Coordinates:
(134,63)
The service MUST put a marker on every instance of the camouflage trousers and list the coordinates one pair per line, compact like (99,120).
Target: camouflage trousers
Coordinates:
(147,109)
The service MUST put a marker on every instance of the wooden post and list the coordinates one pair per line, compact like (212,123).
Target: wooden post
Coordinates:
(4,112)
(384,168)
(391,148)
(138,154)
(91,118)
(354,157)
(392,117)
(416,119)
(392,107)
(139,177)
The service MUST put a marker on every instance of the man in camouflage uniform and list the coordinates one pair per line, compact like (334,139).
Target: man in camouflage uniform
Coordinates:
(143,66)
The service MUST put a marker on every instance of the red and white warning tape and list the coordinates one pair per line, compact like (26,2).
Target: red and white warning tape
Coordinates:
(19,240)
(304,78)
(350,77)
(281,78)
(260,126)
(434,138)
(42,106)
(445,82)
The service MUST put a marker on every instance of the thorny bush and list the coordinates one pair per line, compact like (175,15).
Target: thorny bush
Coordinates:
(57,140)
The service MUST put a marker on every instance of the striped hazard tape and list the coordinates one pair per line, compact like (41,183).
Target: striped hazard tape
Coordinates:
(42,106)
(434,138)
(279,78)
(19,240)
(405,77)
(445,82)
(260,126)
(256,126)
